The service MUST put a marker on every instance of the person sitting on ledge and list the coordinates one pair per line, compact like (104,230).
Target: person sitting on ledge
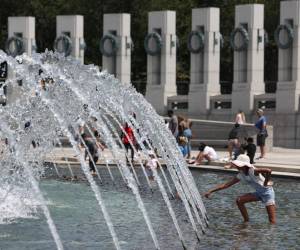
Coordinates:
(206,152)
(259,179)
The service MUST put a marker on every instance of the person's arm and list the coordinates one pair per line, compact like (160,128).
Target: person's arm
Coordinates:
(266,172)
(222,186)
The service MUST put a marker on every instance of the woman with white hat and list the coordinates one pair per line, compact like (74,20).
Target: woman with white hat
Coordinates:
(259,179)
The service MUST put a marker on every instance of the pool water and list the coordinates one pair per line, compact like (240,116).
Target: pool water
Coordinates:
(81,225)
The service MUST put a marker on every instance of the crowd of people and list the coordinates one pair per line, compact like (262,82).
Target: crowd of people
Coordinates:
(239,142)
(242,151)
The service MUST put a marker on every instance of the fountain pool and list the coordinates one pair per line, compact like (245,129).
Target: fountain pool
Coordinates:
(58,98)
(76,214)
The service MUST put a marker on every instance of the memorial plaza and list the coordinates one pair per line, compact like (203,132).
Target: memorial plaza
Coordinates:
(149,124)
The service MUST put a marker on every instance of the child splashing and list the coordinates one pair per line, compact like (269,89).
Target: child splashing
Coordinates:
(254,177)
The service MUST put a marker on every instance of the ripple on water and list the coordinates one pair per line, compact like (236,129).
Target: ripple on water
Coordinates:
(81,225)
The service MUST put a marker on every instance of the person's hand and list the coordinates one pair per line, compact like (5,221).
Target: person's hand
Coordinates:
(207,194)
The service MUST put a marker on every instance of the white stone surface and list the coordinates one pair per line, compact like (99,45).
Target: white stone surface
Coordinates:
(249,64)
(119,65)
(288,86)
(205,66)
(74,25)
(26,26)
(161,69)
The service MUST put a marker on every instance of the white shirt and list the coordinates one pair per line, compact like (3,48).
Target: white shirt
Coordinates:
(239,119)
(256,181)
(210,152)
(152,163)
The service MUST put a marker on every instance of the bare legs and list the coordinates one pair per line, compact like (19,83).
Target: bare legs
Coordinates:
(232,145)
(262,151)
(271,209)
(241,200)
(200,157)
(230,148)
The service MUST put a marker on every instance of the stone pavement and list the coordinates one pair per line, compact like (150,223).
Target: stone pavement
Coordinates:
(283,162)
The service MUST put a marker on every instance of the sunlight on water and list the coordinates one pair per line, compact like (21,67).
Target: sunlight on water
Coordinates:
(56,94)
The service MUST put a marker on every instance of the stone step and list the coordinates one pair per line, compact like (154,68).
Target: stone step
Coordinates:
(222,169)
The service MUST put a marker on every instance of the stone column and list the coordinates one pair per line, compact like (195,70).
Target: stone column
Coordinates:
(72,27)
(248,79)
(288,86)
(117,27)
(24,29)
(161,65)
(21,39)
(205,63)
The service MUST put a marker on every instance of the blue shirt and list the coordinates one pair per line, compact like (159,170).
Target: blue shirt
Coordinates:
(260,123)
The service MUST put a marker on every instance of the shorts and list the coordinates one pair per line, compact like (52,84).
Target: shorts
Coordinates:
(266,196)
(261,140)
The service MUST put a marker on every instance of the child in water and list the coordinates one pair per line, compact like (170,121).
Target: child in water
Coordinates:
(259,179)
(150,165)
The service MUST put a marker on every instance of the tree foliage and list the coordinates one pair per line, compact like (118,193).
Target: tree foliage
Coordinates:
(45,12)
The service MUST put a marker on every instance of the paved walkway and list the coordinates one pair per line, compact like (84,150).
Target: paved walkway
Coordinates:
(282,161)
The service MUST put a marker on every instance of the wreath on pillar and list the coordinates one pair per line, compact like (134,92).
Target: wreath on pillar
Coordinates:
(266,38)
(221,40)
(290,34)
(158,42)
(245,39)
(175,43)
(66,45)
(114,45)
(200,37)
(18,46)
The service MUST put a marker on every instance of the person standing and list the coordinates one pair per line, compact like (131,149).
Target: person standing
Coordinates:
(187,132)
(128,140)
(150,165)
(91,150)
(240,118)
(233,140)
(173,123)
(250,148)
(262,134)
(182,144)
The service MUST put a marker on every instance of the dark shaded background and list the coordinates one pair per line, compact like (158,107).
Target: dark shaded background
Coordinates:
(45,12)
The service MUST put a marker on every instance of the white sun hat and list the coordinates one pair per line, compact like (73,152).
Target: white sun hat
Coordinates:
(242,160)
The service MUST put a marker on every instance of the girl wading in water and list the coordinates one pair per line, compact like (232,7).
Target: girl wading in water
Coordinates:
(259,179)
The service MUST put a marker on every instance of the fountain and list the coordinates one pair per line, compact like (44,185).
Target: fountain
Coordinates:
(56,93)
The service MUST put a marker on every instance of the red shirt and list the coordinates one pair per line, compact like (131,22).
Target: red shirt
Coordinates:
(128,136)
